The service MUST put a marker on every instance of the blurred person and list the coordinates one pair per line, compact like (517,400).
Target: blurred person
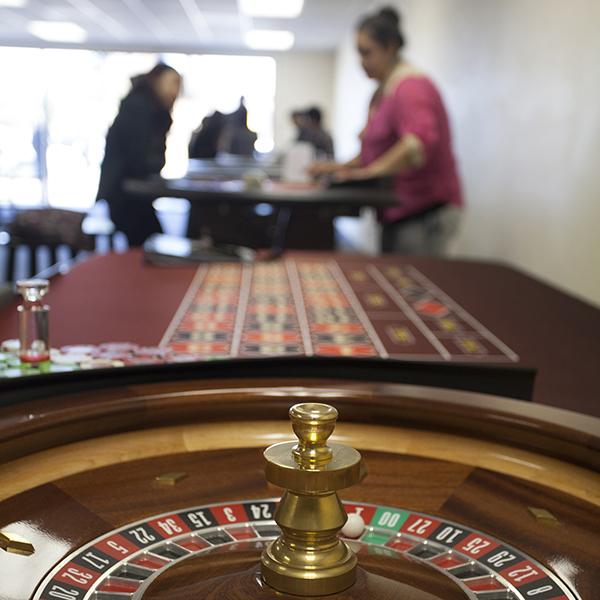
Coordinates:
(406,137)
(314,133)
(236,137)
(205,140)
(299,119)
(135,148)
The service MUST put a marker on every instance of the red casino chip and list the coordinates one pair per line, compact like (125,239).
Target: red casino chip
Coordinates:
(143,360)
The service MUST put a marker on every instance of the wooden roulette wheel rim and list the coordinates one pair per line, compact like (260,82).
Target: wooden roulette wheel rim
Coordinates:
(60,435)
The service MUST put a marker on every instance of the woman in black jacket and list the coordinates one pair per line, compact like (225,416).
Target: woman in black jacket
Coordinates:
(135,148)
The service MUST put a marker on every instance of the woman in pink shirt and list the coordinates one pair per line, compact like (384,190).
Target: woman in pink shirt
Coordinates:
(407,137)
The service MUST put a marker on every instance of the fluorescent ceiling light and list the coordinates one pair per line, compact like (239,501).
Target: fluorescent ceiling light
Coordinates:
(269,39)
(13,3)
(57,31)
(287,9)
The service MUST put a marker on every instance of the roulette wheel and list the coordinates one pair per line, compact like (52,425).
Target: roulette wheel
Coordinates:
(114,487)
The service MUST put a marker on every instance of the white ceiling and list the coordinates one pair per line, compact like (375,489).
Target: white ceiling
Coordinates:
(187,25)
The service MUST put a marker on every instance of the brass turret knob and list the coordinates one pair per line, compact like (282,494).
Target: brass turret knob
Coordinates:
(308,558)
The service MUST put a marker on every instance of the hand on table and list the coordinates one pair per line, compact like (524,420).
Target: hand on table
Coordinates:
(357,174)
(318,169)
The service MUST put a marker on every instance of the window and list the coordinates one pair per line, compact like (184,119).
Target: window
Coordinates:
(57,105)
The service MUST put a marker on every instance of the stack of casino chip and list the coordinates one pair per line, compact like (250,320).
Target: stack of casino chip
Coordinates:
(86,356)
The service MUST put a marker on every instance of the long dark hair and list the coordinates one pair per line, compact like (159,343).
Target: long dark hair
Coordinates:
(384,27)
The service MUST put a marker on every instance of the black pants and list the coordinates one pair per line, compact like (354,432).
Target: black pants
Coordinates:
(135,217)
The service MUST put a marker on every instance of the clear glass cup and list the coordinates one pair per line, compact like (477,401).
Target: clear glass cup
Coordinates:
(33,321)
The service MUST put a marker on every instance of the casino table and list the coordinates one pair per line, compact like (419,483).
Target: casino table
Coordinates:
(438,317)
(343,198)
(226,208)
(232,167)
(150,480)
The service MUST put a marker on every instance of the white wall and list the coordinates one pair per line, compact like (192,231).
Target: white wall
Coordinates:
(521,81)
(303,79)
(352,92)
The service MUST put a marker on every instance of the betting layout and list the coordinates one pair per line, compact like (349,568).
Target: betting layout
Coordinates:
(123,563)
(326,308)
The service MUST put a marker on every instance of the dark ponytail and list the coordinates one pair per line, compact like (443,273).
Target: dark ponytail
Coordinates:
(384,27)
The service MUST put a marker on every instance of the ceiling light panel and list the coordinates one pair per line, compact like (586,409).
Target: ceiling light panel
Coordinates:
(57,31)
(269,39)
(12,3)
(283,9)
